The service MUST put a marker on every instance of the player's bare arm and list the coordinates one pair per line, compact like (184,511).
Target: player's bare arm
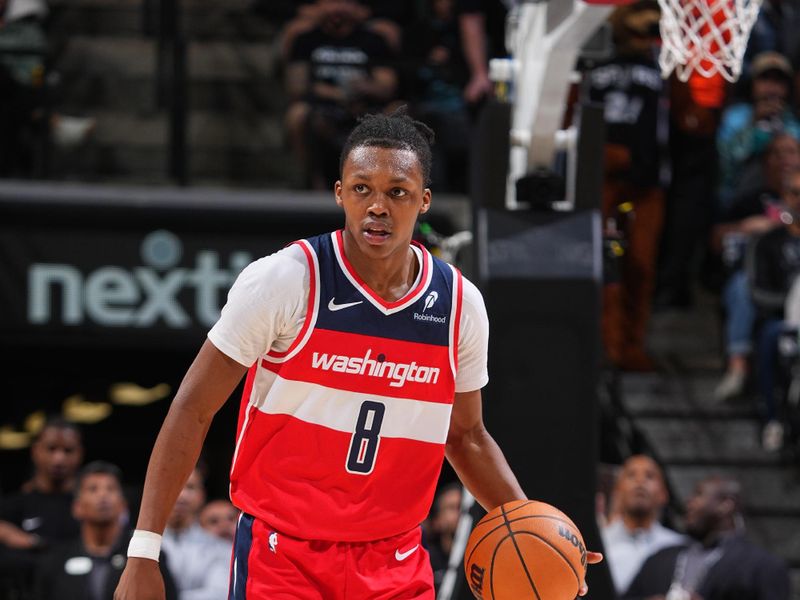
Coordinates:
(476,457)
(479,462)
(205,388)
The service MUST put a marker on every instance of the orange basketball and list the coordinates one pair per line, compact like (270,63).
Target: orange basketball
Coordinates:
(525,549)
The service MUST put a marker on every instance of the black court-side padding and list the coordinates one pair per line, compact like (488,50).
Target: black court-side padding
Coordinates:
(541,273)
(489,156)
(543,298)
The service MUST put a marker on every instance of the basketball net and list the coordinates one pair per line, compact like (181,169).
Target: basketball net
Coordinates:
(707,37)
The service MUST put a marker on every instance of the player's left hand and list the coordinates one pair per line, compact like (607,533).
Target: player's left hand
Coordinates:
(592,558)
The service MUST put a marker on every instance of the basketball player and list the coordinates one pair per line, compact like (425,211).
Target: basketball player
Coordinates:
(366,357)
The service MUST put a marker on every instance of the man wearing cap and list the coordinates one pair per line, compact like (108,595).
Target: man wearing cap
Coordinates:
(747,127)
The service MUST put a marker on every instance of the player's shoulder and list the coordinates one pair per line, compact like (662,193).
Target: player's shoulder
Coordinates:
(290,261)
(284,270)
(450,270)
(471,295)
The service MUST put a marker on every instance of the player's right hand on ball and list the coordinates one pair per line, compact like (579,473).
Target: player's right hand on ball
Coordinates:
(141,580)
(592,558)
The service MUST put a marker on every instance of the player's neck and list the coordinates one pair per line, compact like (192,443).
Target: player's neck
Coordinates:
(390,278)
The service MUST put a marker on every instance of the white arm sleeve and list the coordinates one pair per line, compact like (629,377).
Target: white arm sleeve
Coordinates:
(265,307)
(473,341)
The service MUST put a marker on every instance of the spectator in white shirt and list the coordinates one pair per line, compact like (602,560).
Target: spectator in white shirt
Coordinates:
(218,518)
(199,561)
(634,532)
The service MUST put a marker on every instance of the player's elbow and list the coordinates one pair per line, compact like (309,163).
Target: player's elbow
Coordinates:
(461,440)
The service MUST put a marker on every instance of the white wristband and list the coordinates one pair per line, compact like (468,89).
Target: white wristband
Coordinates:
(144,544)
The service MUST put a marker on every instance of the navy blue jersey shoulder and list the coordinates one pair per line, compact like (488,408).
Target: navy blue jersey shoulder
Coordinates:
(343,306)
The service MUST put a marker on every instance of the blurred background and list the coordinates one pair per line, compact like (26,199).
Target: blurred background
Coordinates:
(642,302)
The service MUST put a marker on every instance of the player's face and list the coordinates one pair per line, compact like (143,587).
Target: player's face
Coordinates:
(57,453)
(99,500)
(382,192)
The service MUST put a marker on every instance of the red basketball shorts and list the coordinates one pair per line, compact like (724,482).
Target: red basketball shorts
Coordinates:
(268,564)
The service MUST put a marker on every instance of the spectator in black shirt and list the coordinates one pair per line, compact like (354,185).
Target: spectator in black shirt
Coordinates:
(89,567)
(336,72)
(40,513)
(773,266)
(440,76)
(719,563)
(387,18)
(482,25)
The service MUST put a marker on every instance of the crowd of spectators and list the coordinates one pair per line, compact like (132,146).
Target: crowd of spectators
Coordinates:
(632,529)
(758,149)
(30,119)
(651,552)
(344,58)
(695,172)
(198,559)
(65,533)
(90,564)
(712,559)
(702,186)
(698,182)
(751,214)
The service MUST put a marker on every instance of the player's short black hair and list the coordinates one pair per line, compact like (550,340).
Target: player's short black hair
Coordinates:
(99,467)
(397,130)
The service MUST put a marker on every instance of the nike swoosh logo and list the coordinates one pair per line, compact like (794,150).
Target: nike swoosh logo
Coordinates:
(333,307)
(401,556)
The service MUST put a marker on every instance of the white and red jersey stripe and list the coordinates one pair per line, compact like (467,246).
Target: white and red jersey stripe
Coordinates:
(341,434)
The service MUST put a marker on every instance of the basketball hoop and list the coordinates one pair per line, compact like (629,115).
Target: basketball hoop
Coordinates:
(705,36)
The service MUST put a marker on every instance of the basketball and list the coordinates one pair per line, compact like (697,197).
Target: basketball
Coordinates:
(525,549)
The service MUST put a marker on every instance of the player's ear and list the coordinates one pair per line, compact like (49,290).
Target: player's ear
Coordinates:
(426,201)
(337,192)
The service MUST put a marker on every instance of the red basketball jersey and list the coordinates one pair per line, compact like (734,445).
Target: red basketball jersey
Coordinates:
(341,437)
